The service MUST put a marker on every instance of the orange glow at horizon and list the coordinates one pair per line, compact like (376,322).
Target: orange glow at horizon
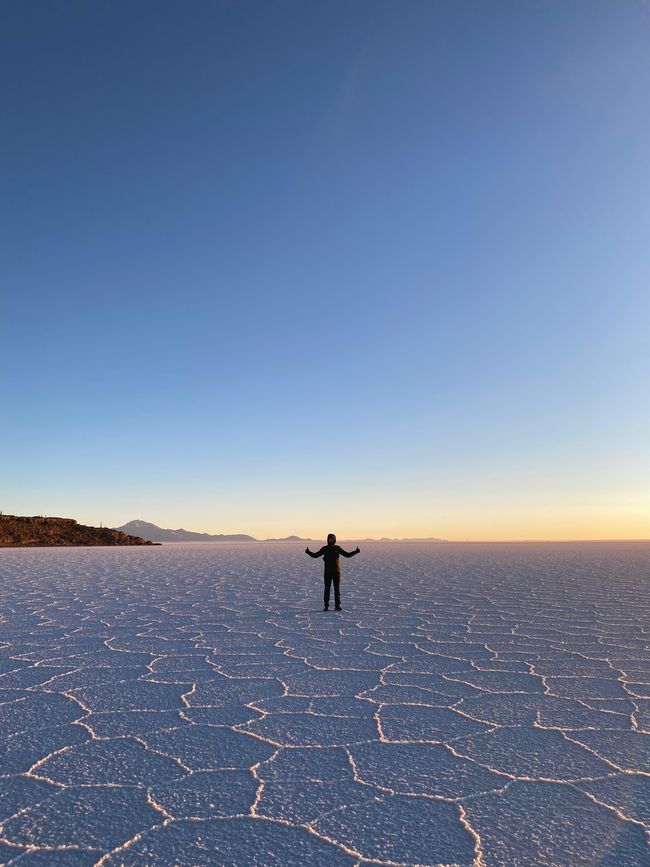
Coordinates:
(461,527)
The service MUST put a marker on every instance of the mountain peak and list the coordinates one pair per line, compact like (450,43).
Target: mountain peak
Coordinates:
(153,533)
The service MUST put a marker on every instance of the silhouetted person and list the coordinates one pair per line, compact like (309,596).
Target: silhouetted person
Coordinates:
(330,554)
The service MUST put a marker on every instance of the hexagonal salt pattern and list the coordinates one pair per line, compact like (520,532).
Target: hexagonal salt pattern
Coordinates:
(471,705)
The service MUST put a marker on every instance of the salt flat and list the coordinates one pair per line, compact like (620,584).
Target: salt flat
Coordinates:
(191,704)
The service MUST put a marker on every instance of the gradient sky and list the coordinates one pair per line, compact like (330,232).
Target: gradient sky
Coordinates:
(290,267)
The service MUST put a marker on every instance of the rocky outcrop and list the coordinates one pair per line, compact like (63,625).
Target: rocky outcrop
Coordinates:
(19,532)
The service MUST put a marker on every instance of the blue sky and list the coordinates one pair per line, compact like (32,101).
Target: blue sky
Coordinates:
(375,267)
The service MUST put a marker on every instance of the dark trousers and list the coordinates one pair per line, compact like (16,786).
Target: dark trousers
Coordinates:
(337,590)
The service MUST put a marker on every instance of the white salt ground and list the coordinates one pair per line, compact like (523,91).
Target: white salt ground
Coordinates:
(191,704)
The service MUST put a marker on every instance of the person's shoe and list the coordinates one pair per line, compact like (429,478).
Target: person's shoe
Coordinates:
(338,608)
(326,608)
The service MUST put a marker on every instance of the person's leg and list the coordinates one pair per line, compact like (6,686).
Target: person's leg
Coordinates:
(326,591)
(337,591)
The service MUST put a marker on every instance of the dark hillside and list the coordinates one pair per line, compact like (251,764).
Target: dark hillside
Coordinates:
(18,532)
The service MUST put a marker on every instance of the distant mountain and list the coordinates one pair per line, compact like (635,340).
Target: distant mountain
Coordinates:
(153,533)
(291,539)
(157,534)
(407,539)
(38,531)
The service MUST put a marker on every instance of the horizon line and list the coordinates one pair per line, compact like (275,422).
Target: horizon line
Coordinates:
(436,539)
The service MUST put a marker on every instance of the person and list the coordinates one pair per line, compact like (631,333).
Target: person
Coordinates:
(330,554)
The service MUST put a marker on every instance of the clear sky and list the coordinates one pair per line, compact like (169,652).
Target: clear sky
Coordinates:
(290,267)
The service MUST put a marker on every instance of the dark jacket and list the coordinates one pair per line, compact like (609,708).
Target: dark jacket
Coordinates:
(330,554)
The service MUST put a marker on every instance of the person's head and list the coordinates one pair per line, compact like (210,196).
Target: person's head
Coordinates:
(331,539)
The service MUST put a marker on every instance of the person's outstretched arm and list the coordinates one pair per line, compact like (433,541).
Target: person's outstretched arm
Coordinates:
(349,553)
(314,553)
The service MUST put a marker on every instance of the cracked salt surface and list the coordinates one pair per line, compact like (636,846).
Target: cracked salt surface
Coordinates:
(471,705)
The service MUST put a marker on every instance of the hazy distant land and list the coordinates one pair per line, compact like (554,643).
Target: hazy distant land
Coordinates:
(159,534)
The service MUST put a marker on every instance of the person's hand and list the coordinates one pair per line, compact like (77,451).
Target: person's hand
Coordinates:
(358,551)
(306,550)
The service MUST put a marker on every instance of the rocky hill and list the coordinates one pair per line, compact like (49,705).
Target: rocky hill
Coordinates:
(18,532)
